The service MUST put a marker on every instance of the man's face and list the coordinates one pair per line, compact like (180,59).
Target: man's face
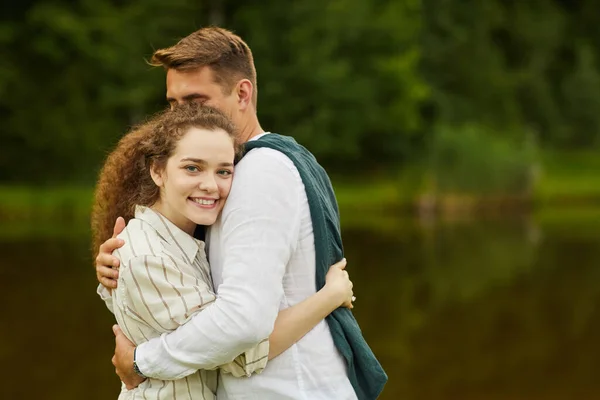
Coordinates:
(199,85)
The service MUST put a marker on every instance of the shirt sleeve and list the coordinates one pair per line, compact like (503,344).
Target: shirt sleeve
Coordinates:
(260,227)
(160,294)
(250,362)
(105,295)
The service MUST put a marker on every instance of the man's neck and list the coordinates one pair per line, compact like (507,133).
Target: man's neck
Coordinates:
(250,129)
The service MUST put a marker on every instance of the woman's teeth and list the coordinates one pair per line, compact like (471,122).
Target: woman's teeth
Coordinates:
(204,202)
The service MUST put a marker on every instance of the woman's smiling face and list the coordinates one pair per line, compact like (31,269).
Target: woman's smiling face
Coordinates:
(196,179)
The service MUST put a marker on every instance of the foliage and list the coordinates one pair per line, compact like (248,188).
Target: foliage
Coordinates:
(339,76)
(75,79)
(474,159)
(363,84)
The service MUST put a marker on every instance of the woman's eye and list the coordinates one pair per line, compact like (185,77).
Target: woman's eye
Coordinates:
(192,168)
(224,172)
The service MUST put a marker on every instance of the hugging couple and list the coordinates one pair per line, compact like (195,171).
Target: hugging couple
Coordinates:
(223,287)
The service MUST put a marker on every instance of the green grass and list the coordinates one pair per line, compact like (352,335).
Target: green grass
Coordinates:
(395,192)
(569,178)
(370,195)
(561,216)
(66,203)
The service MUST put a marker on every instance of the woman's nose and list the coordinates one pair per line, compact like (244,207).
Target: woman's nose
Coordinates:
(208,184)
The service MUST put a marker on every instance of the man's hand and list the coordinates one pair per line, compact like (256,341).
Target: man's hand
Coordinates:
(106,264)
(123,360)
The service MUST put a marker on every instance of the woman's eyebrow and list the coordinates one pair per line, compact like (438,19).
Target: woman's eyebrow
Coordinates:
(192,159)
(200,161)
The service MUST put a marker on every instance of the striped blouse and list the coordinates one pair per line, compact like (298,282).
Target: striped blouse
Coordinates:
(164,279)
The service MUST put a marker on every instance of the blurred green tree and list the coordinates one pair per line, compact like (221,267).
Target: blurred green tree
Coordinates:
(340,76)
(364,85)
(74,78)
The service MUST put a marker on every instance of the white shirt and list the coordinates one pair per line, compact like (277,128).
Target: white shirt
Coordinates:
(262,258)
(164,280)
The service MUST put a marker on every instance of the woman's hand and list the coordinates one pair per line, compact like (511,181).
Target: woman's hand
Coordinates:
(296,321)
(339,285)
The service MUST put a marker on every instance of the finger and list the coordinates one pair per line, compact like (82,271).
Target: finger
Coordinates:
(108,283)
(122,342)
(106,272)
(114,362)
(107,260)
(116,330)
(111,245)
(119,226)
(346,274)
(340,264)
(350,302)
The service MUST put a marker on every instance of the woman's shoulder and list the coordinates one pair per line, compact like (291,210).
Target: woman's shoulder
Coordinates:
(141,239)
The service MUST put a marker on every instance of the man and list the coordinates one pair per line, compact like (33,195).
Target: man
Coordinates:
(261,251)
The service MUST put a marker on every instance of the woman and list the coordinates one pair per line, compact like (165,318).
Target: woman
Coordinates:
(166,177)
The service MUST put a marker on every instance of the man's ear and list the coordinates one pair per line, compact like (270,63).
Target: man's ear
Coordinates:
(245,89)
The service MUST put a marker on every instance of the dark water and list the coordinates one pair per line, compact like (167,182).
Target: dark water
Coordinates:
(498,309)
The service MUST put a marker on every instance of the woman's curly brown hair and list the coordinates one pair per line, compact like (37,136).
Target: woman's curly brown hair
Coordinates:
(125,180)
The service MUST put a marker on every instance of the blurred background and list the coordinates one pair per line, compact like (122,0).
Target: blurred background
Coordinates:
(462,138)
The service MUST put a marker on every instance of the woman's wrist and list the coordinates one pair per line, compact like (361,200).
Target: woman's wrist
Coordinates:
(331,296)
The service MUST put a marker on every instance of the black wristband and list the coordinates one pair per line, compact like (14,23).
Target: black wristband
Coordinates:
(136,369)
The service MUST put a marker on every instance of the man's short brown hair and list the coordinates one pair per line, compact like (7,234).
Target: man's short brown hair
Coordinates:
(223,51)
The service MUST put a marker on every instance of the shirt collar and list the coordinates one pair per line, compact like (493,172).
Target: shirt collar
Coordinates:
(170,232)
(258,136)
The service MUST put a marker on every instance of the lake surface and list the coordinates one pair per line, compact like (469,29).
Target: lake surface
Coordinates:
(506,308)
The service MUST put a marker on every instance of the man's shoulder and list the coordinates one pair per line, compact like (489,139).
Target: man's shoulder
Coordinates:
(275,141)
(264,158)
(259,155)
(281,148)
(264,171)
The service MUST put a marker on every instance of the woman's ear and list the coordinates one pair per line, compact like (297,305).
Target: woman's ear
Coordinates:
(157,176)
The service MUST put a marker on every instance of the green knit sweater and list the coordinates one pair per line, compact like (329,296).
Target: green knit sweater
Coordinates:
(365,372)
